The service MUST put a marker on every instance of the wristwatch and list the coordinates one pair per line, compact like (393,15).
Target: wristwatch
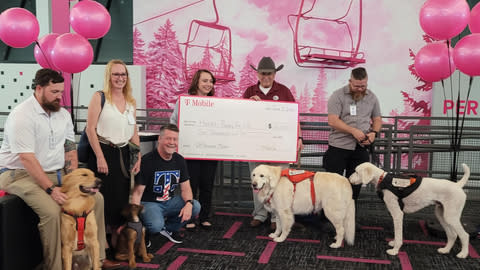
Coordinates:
(49,190)
(189,201)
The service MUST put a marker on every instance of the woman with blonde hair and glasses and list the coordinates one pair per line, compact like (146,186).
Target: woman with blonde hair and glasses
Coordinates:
(111,131)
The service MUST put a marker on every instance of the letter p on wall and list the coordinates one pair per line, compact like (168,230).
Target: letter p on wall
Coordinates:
(468,107)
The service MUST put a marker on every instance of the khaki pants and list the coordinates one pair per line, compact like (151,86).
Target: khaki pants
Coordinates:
(19,182)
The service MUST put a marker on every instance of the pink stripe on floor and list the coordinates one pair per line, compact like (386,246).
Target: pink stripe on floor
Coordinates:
(423,226)
(346,259)
(404,261)
(291,239)
(143,265)
(165,248)
(372,228)
(472,252)
(177,263)
(214,252)
(421,242)
(232,230)
(267,252)
(232,214)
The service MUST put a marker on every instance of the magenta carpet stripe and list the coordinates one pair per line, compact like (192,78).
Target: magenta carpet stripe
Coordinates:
(291,239)
(346,259)
(143,265)
(215,252)
(472,252)
(232,214)
(233,229)
(177,263)
(267,252)
(404,260)
(421,242)
(372,228)
(423,226)
(165,248)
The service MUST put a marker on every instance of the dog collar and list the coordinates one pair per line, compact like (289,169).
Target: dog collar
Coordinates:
(381,179)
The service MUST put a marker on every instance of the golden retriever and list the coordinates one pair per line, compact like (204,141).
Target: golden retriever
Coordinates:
(333,194)
(448,197)
(77,212)
(131,240)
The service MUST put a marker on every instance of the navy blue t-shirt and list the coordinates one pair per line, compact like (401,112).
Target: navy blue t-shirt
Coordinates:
(161,177)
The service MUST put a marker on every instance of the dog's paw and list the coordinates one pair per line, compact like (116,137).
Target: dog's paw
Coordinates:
(462,255)
(132,264)
(443,250)
(273,235)
(279,239)
(391,243)
(392,251)
(335,245)
(150,255)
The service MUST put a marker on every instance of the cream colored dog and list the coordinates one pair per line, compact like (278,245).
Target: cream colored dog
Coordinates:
(333,193)
(448,197)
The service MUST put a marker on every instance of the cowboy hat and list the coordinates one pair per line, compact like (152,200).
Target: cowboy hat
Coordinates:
(266,64)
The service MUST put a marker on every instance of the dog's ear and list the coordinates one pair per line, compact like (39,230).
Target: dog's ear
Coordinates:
(275,172)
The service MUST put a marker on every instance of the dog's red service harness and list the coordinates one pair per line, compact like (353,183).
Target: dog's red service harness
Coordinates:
(296,176)
(81,222)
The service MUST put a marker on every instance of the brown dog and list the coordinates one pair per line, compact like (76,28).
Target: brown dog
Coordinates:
(131,240)
(80,248)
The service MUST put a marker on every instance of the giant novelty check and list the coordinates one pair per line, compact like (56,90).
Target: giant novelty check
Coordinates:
(237,129)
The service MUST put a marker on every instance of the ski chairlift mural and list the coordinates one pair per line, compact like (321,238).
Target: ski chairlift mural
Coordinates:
(315,55)
(209,46)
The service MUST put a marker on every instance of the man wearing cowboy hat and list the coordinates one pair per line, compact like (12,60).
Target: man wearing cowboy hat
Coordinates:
(267,89)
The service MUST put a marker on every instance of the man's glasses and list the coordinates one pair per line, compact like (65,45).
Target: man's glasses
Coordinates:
(120,74)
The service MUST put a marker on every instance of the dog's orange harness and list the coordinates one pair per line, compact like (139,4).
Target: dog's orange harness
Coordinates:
(296,176)
(81,221)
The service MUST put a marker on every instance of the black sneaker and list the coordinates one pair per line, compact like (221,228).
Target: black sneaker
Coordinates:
(175,237)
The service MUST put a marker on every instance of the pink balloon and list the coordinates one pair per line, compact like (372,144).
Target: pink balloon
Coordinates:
(467,54)
(474,24)
(43,52)
(18,27)
(72,53)
(432,62)
(444,19)
(90,19)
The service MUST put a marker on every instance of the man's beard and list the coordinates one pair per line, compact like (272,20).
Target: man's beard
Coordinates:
(356,96)
(53,106)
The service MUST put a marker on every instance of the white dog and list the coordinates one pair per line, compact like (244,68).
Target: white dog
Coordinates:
(448,197)
(332,192)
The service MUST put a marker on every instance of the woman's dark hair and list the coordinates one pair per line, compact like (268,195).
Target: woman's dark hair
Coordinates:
(44,76)
(192,90)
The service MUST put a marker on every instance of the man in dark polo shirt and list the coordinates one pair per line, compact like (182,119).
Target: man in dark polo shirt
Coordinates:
(267,89)
(161,172)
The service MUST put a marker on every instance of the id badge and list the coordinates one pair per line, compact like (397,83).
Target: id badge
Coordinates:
(51,141)
(131,120)
(353,109)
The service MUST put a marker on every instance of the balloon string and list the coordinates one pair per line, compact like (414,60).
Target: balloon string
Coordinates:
(44,55)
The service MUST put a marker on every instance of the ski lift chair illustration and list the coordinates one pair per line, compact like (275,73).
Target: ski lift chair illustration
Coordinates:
(220,49)
(316,56)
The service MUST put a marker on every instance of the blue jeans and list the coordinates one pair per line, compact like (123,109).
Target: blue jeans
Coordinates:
(155,213)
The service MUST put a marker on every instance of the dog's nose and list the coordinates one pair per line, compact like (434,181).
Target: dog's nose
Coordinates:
(254,185)
(98,181)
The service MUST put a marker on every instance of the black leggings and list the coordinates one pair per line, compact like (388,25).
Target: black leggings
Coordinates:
(202,176)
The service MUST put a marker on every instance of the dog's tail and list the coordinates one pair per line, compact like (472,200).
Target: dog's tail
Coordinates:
(349,223)
(466,175)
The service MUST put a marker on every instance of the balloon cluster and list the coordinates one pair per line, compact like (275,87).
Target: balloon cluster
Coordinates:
(69,52)
(443,20)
